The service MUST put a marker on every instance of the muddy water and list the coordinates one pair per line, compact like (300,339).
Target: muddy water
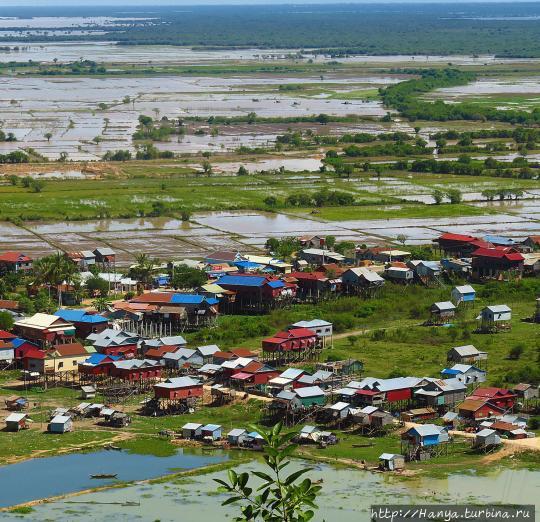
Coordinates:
(290,164)
(346,495)
(68,108)
(109,51)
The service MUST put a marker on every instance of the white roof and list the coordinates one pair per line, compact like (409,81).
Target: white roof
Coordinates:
(464,368)
(236,363)
(279,381)
(321,252)
(236,432)
(338,406)
(424,430)
(366,273)
(369,409)
(486,432)
(445,305)
(465,289)
(398,269)
(395,253)
(499,308)
(182,353)
(309,391)
(346,391)
(291,373)
(314,323)
(210,349)
(135,363)
(16,417)
(42,321)
(192,426)
(466,350)
(178,382)
(60,419)
(389,456)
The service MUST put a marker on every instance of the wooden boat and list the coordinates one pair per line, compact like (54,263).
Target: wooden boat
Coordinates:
(104,475)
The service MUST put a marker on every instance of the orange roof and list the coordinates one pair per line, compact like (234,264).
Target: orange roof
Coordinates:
(243,352)
(10,304)
(153,297)
(252,367)
(70,349)
(225,355)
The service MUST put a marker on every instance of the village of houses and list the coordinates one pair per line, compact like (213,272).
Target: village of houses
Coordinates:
(132,358)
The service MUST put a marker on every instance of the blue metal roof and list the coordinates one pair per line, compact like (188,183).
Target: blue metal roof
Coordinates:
(450,371)
(96,358)
(276,284)
(241,280)
(247,264)
(80,316)
(499,240)
(192,299)
(18,341)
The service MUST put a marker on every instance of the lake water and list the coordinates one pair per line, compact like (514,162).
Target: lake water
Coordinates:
(45,477)
(346,495)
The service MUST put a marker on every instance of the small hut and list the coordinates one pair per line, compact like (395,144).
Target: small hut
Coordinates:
(486,439)
(442,312)
(60,424)
(211,432)
(391,461)
(88,392)
(17,422)
(191,430)
(236,435)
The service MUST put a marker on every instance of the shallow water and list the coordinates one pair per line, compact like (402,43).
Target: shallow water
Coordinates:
(51,476)
(346,495)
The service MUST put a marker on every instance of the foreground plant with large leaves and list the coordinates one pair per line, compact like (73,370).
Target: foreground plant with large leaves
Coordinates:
(279,498)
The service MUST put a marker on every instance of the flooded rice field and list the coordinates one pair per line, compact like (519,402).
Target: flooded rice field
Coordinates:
(69,109)
(346,495)
(47,52)
(493,86)
(248,231)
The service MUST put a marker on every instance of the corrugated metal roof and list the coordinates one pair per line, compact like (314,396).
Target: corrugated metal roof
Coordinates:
(239,280)
(80,316)
(309,391)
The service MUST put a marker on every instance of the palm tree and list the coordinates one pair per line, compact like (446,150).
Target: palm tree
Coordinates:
(101,303)
(143,268)
(55,270)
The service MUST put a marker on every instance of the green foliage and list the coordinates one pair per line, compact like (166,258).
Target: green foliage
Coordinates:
(404,97)
(186,277)
(97,285)
(280,497)
(6,321)
(283,248)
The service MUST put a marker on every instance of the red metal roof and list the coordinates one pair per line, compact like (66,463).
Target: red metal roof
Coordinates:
(308,276)
(498,253)
(6,335)
(14,257)
(492,392)
(294,333)
(456,237)
(153,297)
(242,376)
